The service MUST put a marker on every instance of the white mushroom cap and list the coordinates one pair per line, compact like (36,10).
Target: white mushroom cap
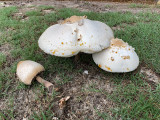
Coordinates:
(119,57)
(75,34)
(27,70)
(94,36)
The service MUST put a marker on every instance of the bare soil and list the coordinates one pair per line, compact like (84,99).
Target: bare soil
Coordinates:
(5,49)
(85,6)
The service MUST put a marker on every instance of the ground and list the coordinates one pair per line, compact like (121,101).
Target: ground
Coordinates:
(94,93)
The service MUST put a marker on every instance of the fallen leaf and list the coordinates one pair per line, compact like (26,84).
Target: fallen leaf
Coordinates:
(62,102)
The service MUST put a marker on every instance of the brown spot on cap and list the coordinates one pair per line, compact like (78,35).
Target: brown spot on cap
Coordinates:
(100,65)
(73,52)
(118,43)
(108,68)
(81,44)
(125,57)
(76,30)
(74,19)
(53,52)
(80,37)
(112,58)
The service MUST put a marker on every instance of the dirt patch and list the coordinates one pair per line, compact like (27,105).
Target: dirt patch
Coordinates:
(118,27)
(21,14)
(21,99)
(89,99)
(3,104)
(88,95)
(98,6)
(47,11)
(150,75)
(84,6)
(5,49)
(122,26)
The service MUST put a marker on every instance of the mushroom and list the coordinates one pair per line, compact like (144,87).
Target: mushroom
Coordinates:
(75,34)
(119,57)
(27,70)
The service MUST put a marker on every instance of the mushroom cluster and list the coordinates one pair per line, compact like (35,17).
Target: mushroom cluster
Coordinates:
(79,34)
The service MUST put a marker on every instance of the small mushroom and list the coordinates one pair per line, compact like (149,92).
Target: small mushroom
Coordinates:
(75,34)
(119,57)
(27,70)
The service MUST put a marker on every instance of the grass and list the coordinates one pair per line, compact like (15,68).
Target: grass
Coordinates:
(135,100)
(134,5)
(44,7)
(131,103)
(45,115)
(2,58)
(33,13)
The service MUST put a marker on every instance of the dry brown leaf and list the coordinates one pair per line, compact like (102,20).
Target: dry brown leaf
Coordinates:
(62,102)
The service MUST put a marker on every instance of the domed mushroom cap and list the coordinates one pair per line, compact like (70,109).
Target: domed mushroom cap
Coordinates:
(119,57)
(75,34)
(93,36)
(27,70)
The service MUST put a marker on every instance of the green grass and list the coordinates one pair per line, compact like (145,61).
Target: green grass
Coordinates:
(104,116)
(33,13)
(44,7)
(134,5)
(136,100)
(133,104)
(44,114)
(2,59)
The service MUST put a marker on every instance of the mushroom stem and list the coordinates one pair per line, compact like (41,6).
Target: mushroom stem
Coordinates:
(47,84)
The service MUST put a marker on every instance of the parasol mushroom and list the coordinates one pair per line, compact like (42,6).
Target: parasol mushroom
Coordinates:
(27,70)
(75,34)
(119,57)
